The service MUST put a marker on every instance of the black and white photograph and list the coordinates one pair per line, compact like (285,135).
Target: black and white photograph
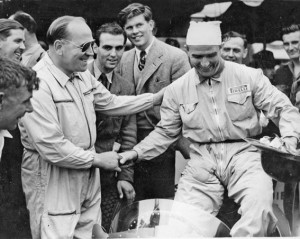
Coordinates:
(149,119)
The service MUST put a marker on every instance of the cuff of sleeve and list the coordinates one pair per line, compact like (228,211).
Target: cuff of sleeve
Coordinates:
(139,152)
(292,135)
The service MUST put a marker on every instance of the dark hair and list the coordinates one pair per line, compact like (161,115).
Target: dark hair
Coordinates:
(231,34)
(172,42)
(6,25)
(58,28)
(112,28)
(26,20)
(133,10)
(290,28)
(14,74)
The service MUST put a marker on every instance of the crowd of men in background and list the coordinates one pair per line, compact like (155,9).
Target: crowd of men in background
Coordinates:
(82,113)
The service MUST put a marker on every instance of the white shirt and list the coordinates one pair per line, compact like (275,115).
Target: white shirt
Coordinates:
(3,133)
(98,73)
(138,52)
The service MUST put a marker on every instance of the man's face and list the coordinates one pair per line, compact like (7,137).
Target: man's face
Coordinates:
(205,59)
(291,44)
(233,50)
(109,52)
(73,59)
(16,102)
(13,46)
(139,31)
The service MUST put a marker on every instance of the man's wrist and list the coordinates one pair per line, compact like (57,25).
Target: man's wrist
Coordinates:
(136,156)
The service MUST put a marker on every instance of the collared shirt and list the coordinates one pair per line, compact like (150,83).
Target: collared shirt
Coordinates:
(3,134)
(138,52)
(219,109)
(31,55)
(98,73)
(62,127)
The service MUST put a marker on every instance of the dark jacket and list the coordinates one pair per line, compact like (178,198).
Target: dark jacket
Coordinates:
(120,129)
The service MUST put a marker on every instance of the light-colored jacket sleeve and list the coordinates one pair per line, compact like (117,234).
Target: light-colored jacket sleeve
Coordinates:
(275,105)
(166,132)
(120,105)
(45,133)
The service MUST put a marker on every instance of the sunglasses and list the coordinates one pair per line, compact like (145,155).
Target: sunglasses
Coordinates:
(84,46)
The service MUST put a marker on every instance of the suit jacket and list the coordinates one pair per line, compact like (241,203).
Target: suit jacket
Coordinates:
(120,129)
(164,64)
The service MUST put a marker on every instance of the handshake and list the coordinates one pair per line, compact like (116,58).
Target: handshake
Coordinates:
(110,160)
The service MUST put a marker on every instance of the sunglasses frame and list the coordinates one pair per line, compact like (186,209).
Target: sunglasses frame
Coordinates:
(91,44)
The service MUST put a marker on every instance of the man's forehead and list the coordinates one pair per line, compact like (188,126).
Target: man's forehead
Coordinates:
(79,30)
(17,32)
(234,41)
(107,38)
(291,36)
(203,49)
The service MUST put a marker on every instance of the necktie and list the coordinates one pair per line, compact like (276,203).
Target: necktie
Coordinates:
(142,60)
(104,80)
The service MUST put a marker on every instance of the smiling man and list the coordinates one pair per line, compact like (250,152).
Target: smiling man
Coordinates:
(151,65)
(113,133)
(60,168)
(12,39)
(216,105)
(234,47)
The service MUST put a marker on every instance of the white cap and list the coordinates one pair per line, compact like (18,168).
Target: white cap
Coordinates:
(204,33)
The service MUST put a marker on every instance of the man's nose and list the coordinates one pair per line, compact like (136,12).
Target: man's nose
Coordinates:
(90,51)
(204,62)
(290,46)
(29,107)
(230,53)
(113,52)
(135,30)
(22,45)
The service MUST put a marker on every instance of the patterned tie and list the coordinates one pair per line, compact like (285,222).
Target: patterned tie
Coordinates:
(142,60)
(104,80)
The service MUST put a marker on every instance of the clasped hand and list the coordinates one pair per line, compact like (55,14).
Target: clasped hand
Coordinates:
(128,155)
(108,161)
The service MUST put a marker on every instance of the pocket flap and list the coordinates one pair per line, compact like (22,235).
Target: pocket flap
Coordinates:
(239,98)
(188,108)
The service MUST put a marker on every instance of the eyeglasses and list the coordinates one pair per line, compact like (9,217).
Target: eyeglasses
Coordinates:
(84,47)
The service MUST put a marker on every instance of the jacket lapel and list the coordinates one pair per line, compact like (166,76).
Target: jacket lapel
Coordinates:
(153,61)
(128,65)
(115,86)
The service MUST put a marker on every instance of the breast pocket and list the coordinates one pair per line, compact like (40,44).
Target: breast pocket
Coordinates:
(240,106)
(190,116)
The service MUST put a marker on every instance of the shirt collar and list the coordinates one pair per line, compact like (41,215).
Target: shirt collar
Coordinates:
(291,66)
(215,77)
(138,52)
(60,76)
(98,73)
(5,133)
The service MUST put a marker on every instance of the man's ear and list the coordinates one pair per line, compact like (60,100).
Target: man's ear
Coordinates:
(58,47)
(245,53)
(1,99)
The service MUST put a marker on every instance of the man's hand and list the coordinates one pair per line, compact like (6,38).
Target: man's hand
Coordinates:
(128,155)
(126,188)
(158,97)
(108,161)
(291,143)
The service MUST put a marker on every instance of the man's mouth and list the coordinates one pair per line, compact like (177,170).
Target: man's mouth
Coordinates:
(137,38)
(18,54)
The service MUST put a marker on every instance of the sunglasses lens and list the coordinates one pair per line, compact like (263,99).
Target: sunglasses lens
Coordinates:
(87,45)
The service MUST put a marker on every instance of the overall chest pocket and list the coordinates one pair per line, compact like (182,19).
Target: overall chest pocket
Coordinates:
(191,118)
(240,106)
